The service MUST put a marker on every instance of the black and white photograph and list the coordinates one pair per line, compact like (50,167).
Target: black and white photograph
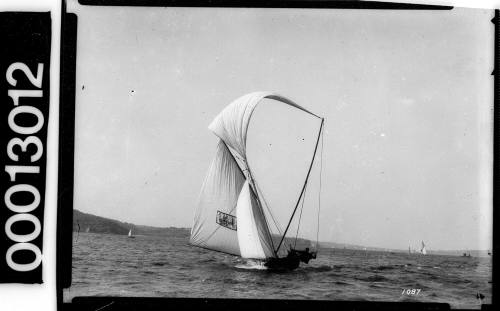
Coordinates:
(283,153)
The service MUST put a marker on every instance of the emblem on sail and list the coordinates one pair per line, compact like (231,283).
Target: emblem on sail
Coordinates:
(229,217)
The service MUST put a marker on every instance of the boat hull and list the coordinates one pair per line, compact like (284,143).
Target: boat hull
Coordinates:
(283,264)
(291,261)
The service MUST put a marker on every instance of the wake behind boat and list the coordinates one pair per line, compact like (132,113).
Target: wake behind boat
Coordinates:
(230,217)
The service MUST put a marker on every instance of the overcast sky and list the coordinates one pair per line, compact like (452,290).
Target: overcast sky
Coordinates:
(407,97)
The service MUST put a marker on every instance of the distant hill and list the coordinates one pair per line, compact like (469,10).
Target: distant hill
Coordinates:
(473,253)
(97,224)
(360,247)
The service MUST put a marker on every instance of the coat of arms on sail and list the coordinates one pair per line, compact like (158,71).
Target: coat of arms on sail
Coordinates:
(226,220)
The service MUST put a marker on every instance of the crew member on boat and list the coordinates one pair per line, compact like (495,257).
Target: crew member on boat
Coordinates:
(305,256)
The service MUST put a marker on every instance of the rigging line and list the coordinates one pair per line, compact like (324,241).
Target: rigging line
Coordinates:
(303,188)
(264,216)
(268,209)
(300,218)
(319,193)
(272,217)
(253,187)
(232,155)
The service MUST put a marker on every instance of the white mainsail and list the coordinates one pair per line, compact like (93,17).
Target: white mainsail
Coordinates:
(254,237)
(130,232)
(229,217)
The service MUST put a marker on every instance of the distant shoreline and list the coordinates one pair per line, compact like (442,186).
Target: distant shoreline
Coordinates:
(83,222)
(97,224)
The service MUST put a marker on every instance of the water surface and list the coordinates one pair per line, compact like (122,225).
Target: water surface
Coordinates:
(153,266)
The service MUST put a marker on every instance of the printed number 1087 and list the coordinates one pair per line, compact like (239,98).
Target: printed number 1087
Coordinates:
(411,291)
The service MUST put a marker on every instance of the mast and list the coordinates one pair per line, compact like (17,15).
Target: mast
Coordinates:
(303,187)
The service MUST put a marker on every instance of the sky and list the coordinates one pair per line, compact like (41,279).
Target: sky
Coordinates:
(406,95)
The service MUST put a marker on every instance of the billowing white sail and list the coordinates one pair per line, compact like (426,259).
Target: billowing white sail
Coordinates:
(215,221)
(231,124)
(229,217)
(253,234)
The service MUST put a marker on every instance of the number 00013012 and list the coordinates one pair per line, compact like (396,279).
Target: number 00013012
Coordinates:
(24,102)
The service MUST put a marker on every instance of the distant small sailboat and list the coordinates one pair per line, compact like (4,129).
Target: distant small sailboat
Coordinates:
(230,217)
(130,234)
(87,230)
(423,251)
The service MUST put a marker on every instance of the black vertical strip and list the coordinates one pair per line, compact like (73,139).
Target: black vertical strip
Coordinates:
(66,150)
(496,168)
(25,45)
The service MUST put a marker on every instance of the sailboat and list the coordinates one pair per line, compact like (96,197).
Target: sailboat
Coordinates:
(423,251)
(130,234)
(229,217)
(87,230)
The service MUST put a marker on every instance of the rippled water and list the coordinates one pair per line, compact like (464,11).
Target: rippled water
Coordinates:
(149,266)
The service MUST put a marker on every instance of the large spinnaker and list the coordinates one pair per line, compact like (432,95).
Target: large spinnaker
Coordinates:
(215,224)
(231,124)
(253,233)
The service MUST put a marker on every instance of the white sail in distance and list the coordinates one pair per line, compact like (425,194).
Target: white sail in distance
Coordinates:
(229,216)
(423,251)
